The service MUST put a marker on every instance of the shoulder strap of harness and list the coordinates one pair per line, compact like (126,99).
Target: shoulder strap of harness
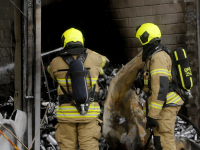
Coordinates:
(173,86)
(68,59)
(82,57)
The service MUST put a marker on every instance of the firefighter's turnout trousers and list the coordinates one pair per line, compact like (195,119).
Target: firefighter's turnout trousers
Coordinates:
(164,132)
(74,129)
(163,104)
(86,135)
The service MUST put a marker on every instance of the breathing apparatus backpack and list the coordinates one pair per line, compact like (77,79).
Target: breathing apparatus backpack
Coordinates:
(181,73)
(183,70)
(81,97)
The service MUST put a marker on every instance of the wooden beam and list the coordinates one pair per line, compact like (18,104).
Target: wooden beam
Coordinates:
(18,59)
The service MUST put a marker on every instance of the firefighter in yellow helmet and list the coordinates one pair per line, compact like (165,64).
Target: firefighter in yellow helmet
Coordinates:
(163,101)
(77,124)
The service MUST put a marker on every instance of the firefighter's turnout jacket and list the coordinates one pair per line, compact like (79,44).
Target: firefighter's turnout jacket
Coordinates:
(66,113)
(159,70)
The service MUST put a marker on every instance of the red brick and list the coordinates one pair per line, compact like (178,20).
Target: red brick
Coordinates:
(161,9)
(156,19)
(173,28)
(172,18)
(127,12)
(174,39)
(176,8)
(134,22)
(144,11)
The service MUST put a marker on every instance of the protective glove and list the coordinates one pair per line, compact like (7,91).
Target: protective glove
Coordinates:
(151,122)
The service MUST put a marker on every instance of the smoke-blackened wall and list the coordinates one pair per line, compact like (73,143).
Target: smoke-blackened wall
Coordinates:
(89,17)
(6,49)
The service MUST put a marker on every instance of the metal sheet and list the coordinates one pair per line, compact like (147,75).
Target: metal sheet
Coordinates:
(30,54)
(37,73)
(24,61)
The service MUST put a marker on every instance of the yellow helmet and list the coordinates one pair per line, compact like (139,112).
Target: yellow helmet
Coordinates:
(72,38)
(148,33)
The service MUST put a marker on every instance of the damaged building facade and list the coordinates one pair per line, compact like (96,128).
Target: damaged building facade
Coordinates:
(31,27)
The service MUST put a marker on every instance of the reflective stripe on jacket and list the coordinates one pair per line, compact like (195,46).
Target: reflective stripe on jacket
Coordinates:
(69,113)
(66,112)
(62,82)
(160,71)
(172,99)
(94,61)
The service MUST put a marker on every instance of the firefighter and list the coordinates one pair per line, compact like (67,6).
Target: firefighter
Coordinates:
(75,129)
(163,102)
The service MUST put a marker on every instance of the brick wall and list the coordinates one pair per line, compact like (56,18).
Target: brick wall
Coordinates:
(6,47)
(177,21)
(192,46)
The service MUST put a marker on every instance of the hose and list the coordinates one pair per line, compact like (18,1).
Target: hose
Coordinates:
(187,120)
(9,141)
(147,143)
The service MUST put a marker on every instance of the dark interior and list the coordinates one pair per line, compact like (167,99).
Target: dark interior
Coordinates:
(88,16)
